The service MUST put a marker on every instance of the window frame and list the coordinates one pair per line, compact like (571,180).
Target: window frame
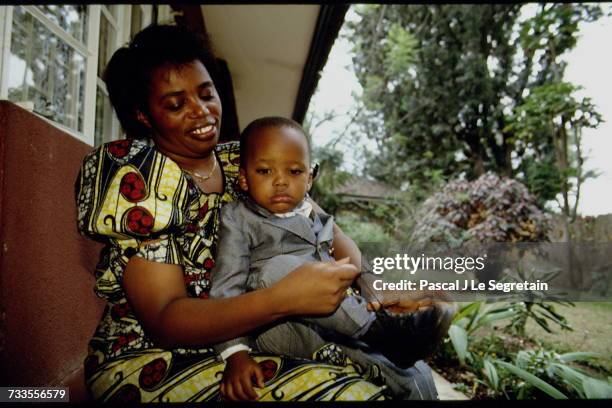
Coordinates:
(90,51)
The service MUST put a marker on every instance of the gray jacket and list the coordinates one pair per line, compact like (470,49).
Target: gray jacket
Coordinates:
(250,236)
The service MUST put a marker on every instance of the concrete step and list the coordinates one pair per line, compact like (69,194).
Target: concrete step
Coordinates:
(446,390)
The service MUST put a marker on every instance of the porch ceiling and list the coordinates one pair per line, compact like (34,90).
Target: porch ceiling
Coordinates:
(266,48)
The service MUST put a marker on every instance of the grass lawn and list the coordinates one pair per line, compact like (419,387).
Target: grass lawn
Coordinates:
(592,324)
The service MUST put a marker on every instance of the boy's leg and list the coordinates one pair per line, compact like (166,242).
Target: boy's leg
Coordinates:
(298,340)
(413,383)
(289,338)
(404,339)
(350,319)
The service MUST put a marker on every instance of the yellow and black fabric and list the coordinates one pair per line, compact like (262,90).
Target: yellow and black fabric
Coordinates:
(139,202)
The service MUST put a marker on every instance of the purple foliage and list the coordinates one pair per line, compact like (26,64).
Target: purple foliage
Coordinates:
(488,209)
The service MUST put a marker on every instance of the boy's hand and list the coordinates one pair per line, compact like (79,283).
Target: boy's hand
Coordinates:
(240,373)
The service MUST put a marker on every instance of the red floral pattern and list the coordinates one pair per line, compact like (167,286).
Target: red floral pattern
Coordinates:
(139,220)
(120,310)
(209,263)
(202,211)
(119,148)
(189,279)
(133,188)
(269,368)
(152,373)
(126,394)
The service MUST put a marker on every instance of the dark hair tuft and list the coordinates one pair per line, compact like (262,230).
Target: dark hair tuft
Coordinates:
(267,122)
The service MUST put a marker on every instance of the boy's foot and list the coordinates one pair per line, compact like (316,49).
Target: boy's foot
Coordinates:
(408,337)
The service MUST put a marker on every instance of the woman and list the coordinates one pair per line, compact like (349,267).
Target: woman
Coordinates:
(154,200)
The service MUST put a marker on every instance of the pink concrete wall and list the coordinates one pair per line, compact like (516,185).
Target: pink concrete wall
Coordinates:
(48,309)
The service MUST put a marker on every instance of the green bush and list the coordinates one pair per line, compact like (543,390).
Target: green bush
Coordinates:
(361,230)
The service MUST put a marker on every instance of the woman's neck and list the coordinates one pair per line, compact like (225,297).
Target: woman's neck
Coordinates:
(202,164)
(210,175)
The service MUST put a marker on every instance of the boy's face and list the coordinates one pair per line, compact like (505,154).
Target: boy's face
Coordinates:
(277,173)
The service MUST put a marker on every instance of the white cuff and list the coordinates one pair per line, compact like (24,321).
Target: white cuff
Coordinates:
(233,349)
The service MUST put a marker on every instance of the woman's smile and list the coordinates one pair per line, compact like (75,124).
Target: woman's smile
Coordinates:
(184,111)
(204,131)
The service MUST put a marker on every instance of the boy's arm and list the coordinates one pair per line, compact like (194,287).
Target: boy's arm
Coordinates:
(228,277)
(344,247)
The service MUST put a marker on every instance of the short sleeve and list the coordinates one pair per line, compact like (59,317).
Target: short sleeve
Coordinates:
(130,195)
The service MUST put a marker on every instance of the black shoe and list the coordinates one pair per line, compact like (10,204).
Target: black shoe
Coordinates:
(406,338)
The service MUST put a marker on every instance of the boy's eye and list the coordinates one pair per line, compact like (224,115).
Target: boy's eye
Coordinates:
(296,172)
(262,171)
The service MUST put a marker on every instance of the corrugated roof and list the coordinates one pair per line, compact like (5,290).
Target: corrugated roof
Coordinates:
(366,188)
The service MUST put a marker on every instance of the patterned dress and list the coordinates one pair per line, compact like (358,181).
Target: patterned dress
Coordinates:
(127,193)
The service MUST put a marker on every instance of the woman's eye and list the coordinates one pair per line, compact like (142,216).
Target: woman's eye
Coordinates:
(174,106)
(262,171)
(207,96)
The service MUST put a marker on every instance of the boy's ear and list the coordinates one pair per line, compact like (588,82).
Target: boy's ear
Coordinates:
(242,182)
(142,118)
(310,178)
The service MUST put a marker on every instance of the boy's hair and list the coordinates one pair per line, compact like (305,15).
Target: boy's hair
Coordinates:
(128,74)
(268,122)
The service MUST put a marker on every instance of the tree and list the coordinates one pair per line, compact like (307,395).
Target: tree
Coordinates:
(549,123)
(443,85)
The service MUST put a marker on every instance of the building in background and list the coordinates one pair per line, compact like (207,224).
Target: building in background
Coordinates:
(52,58)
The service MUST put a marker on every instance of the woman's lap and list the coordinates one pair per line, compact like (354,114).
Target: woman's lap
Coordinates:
(161,376)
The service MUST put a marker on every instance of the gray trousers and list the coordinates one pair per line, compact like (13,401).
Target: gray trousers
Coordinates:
(303,337)
(351,318)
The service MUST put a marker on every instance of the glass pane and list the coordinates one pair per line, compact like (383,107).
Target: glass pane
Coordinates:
(104,119)
(113,10)
(73,19)
(108,42)
(136,23)
(45,72)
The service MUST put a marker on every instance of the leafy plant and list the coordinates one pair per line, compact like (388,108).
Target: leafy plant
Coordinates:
(550,373)
(488,209)
(470,318)
(540,307)
(517,373)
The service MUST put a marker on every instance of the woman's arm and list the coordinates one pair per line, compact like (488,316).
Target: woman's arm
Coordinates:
(157,294)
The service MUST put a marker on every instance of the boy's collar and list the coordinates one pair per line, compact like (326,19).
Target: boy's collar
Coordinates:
(252,205)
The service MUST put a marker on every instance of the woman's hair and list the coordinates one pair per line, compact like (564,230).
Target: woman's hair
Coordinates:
(130,70)
(264,123)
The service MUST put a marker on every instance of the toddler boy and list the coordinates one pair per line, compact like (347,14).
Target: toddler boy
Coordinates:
(275,230)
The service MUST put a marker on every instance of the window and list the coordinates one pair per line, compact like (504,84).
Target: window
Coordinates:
(52,58)
(106,128)
(47,69)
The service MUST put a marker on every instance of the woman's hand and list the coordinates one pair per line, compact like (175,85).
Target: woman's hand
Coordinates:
(408,302)
(315,287)
(241,372)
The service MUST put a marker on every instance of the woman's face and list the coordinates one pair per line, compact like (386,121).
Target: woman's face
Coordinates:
(184,110)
